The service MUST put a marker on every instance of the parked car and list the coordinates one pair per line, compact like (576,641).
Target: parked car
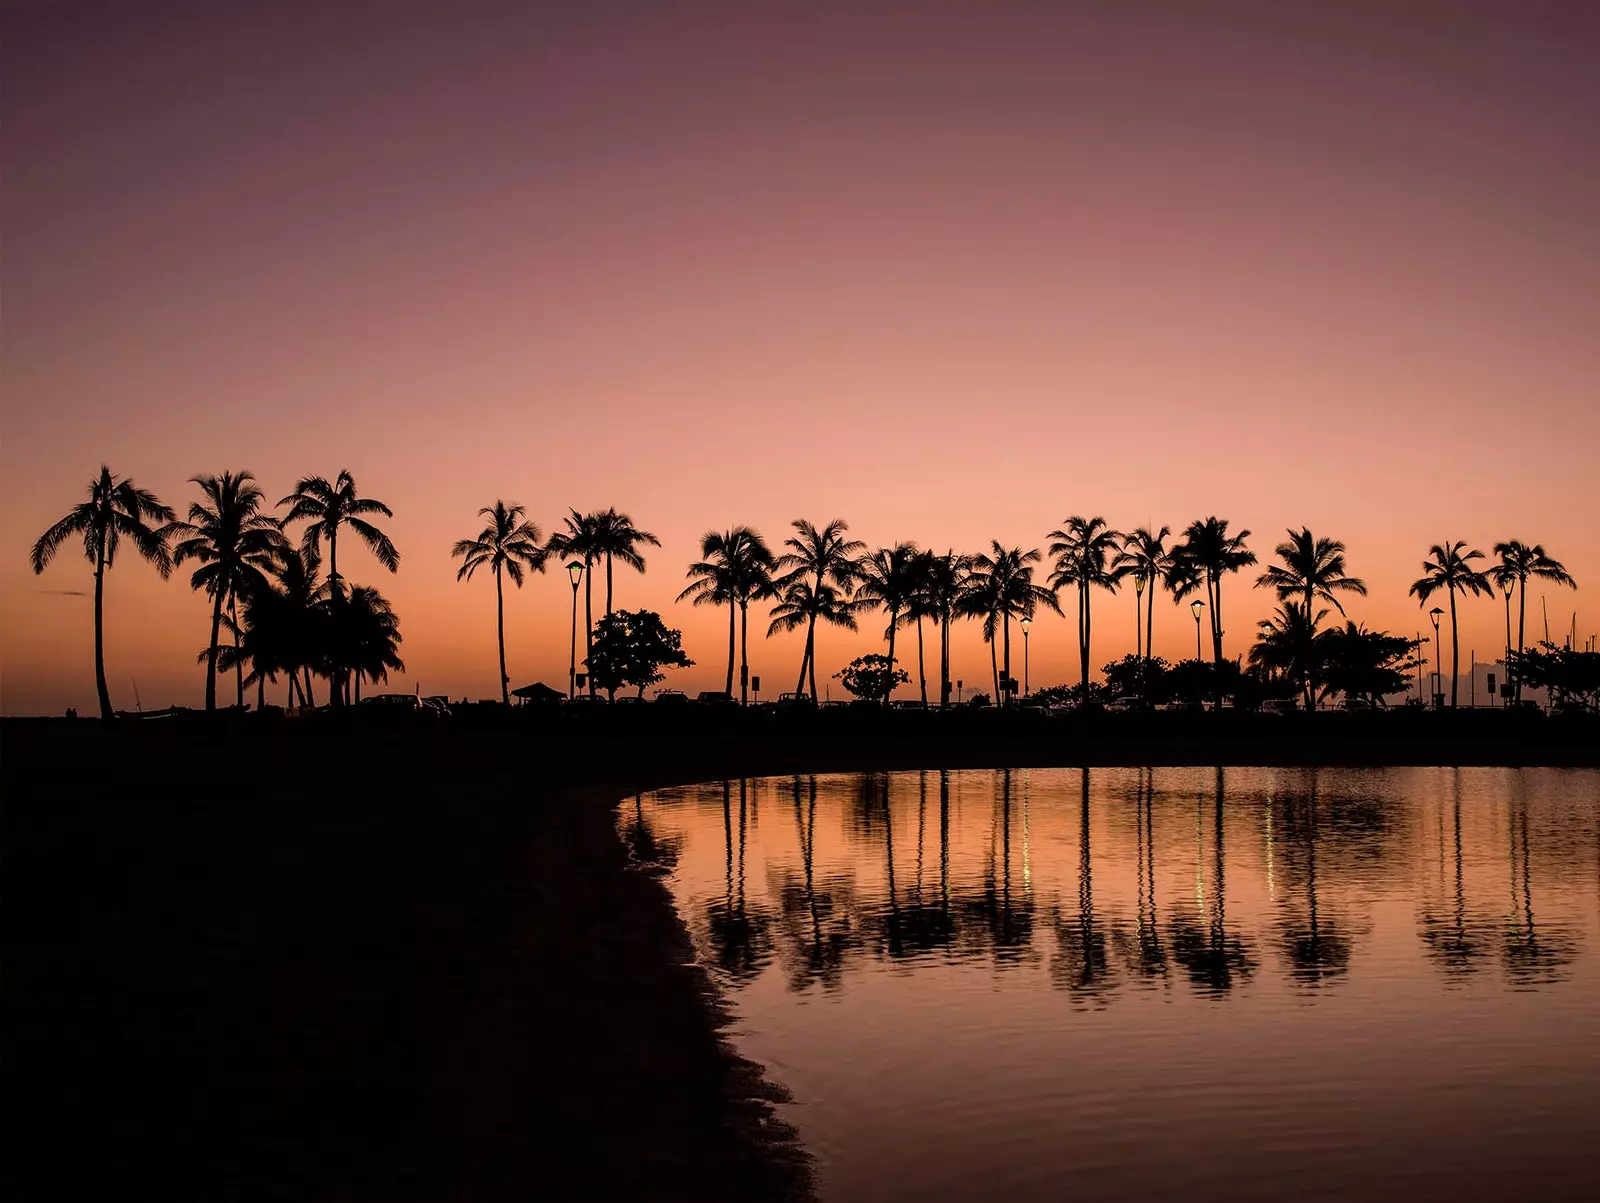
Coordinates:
(630,699)
(671,697)
(588,700)
(714,697)
(398,702)
(796,701)
(437,706)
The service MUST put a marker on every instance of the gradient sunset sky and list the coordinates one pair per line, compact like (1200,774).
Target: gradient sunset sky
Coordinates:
(950,272)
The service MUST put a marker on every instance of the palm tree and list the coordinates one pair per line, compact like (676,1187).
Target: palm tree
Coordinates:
(616,538)
(999,588)
(115,510)
(1312,568)
(889,577)
(1448,567)
(508,544)
(803,605)
(941,581)
(235,544)
(1284,642)
(1211,553)
(366,634)
(1519,561)
(822,558)
(1149,561)
(581,540)
(735,567)
(1084,549)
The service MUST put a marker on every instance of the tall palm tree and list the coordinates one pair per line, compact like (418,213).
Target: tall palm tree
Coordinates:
(326,508)
(115,510)
(1283,643)
(508,544)
(889,577)
(941,581)
(1450,568)
(1518,562)
(804,605)
(1210,554)
(1312,568)
(235,544)
(1146,557)
(735,568)
(999,588)
(821,557)
(616,538)
(581,540)
(366,633)
(1084,549)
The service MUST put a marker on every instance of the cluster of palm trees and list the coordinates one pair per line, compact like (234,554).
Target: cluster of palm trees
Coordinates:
(284,617)
(282,614)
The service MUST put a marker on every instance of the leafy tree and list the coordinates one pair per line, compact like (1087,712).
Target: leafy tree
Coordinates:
(999,587)
(1449,568)
(1518,562)
(1569,676)
(1141,679)
(508,544)
(734,569)
(1285,647)
(824,561)
(1365,666)
(872,678)
(235,545)
(115,510)
(634,647)
(1208,553)
(1313,569)
(889,577)
(1085,549)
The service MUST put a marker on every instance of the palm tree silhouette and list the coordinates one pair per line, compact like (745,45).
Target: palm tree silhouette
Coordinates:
(1283,642)
(1146,557)
(1449,568)
(941,581)
(283,625)
(1210,553)
(803,605)
(999,588)
(616,538)
(1312,568)
(1518,562)
(508,544)
(1084,549)
(366,633)
(889,577)
(735,567)
(116,510)
(825,559)
(581,540)
(235,544)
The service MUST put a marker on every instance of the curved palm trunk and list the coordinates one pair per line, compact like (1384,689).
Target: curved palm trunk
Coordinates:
(1138,625)
(1522,626)
(1455,654)
(994,668)
(811,664)
(805,660)
(893,622)
(211,656)
(335,674)
(238,662)
(732,616)
(744,652)
(1216,625)
(1508,685)
(608,584)
(99,629)
(588,621)
(1088,626)
(1150,624)
(1310,653)
(922,672)
(500,635)
(1007,682)
(944,663)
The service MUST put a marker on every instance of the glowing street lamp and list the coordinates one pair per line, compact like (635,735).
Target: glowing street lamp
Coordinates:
(1026,623)
(575,571)
(1194,608)
(1507,584)
(1438,660)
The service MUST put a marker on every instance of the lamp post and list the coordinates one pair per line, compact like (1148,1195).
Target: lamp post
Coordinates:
(1026,623)
(575,571)
(1199,654)
(1138,610)
(1507,584)
(1438,660)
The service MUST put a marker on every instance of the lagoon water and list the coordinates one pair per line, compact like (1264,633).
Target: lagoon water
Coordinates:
(1132,984)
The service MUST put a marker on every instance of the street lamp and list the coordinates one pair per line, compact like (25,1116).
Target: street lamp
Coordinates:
(575,571)
(1139,582)
(1026,623)
(1194,608)
(1438,660)
(1507,584)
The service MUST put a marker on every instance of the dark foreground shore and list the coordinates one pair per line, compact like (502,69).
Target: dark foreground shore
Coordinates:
(257,959)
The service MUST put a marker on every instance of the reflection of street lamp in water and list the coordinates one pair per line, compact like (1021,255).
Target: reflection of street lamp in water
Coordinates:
(1438,660)
(1195,607)
(575,571)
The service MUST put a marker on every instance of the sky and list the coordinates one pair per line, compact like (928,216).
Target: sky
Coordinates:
(951,274)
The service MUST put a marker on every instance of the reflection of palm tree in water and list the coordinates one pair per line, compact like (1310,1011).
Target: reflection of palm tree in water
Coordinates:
(825,942)
(1213,958)
(922,926)
(1084,968)
(645,848)
(1152,958)
(739,935)
(1009,926)
(1317,951)
(1533,955)
(1450,942)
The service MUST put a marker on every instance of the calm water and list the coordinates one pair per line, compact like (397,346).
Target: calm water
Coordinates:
(1137,984)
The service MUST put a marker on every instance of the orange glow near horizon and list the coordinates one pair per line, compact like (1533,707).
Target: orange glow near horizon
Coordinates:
(950,278)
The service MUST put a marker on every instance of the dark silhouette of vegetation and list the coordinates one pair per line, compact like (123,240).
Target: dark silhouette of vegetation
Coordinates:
(1085,550)
(1147,560)
(633,648)
(1518,562)
(734,569)
(1206,555)
(1570,677)
(872,677)
(235,544)
(1000,587)
(508,544)
(818,576)
(617,538)
(116,509)
(889,577)
(1313,569)
(1448,567)
(942,581)
(580,540)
